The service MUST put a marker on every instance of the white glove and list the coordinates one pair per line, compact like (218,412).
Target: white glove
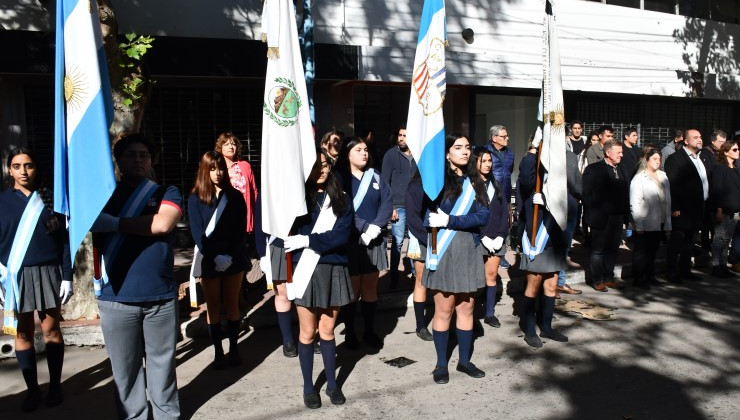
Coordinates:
(488,243)
(66,291)
(438,219)
(296,242)
(498,243)
(365,239)
(222,262)
(265,264)
(538,199)
(373,231)
(105,223)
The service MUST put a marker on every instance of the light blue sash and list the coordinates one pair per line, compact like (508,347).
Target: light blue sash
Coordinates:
(367,178)
(414,248)
(9,279)
(133,207)
(444,236)
(540,240)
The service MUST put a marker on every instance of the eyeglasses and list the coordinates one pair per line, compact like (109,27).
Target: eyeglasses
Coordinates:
(503,137)
(141,155)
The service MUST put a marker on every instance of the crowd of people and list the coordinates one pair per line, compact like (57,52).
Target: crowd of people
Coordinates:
(456,244)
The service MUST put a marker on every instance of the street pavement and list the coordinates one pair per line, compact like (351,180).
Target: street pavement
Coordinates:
(669,353)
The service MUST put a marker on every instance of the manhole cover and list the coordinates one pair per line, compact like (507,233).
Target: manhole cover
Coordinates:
(399,362)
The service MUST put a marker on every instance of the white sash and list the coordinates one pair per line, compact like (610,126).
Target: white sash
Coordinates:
(491,190)
(133,208)
(9,278)
(367,178)
(267,271)
(195,267)
(462,206)
(310,258)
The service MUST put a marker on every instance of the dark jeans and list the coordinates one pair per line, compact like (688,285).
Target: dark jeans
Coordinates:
(604,245)
(680,244)
(643,255)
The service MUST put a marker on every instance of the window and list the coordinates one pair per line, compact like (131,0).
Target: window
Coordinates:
(665,6)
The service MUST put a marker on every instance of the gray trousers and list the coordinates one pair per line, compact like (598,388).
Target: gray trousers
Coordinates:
(132,332)
(723,233)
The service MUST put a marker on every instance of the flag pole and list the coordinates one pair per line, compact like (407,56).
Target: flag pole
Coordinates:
(537,190)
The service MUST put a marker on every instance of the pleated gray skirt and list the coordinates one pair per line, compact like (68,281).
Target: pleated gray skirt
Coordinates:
(367,259)
(549,261)
(279,266)
(461,268)
(330,286)
(39,287)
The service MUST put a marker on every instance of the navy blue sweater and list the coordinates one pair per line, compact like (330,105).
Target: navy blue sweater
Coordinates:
(498,218)
(397,171)
(44,249)
(376,208)
(228,235)
(416,204)
(330,245)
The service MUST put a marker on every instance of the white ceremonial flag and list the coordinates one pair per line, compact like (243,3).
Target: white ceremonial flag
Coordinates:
(552,156)
(288,150)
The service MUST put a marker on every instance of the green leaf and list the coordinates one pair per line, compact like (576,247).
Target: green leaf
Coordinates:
(130,36)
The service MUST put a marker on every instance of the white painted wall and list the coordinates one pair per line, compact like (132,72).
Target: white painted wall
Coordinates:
(604,48)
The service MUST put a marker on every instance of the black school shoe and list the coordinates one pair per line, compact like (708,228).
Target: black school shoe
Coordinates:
(471,370)
(492,321)
(312,400)
(424,334)
(441,375)
(554,335)
(290,350)
(32,401)
(336,396)
(55,396)
(533,341)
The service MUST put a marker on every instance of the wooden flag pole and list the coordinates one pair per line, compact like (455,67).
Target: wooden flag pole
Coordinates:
(537,190)
(434,240)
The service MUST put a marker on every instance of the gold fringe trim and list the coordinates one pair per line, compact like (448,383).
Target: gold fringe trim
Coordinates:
(264,37)
(414,256)
(194,305)
(273,53)
(447,43)
(269,286)
(10,330)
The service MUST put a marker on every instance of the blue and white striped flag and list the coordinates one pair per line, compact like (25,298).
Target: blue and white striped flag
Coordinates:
(83,111)
(425,127)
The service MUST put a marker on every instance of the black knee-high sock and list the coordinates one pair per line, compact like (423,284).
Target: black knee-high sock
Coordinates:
(55,360)
(368,314)
(305,358)
(529,315)
(490,300)
(348,315)
(27,362)
(421,322)
(548,308)
(285,329)
(215,330)
(329,354)
(464,343)
(233,328)
(440,344)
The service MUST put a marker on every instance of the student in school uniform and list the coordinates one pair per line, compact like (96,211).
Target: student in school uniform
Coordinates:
(454,270)
(218,218)
(36,272)
(373,206)
(321,283)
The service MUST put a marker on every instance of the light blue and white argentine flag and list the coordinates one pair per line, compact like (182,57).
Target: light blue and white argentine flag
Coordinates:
(83,111)
(425,130)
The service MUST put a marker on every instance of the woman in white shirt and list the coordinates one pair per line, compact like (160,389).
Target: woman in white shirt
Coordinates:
(650,204)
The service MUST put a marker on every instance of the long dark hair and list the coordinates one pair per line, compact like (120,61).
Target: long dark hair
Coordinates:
(453,183)
(478,153)
(342,164)
(204,188)
(55,220)
(332,186)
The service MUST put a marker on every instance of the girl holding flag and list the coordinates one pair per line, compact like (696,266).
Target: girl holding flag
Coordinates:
(321,282)
(543,260)
(36,272)
(373,204)
(493,233)
(455,271)
(218,217)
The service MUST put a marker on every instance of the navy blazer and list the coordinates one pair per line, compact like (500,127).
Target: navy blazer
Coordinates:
(687,192)
(472,222)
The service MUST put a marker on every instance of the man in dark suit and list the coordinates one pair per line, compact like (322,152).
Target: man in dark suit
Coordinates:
(606,208)
(689,190)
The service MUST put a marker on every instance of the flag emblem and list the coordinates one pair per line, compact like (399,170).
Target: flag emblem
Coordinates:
(283,102)
(430,78)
